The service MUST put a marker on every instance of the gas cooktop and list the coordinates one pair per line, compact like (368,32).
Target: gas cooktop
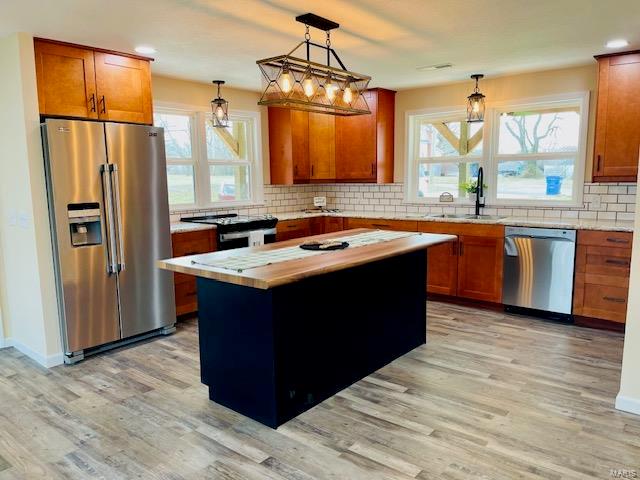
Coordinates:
(232,222)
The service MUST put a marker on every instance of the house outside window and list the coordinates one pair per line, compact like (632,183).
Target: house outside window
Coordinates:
(533,152)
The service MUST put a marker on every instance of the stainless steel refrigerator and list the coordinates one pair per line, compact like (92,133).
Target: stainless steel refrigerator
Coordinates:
(109,212)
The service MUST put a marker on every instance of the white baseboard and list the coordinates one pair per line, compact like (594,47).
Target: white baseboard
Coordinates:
(628,404)
(47,362)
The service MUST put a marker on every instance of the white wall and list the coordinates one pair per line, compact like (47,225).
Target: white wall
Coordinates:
(29,309)
(629,396)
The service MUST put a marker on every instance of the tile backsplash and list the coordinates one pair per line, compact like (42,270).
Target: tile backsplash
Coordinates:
(605,201)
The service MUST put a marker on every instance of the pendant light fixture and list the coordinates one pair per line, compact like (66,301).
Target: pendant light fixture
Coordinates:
(219,109)
(301,84)
(475,102)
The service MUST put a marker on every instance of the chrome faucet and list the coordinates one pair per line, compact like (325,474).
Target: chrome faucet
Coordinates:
(480,191)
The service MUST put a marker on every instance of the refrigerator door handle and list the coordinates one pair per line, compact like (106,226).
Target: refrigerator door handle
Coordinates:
(118,211)
(108,211)
(118,214)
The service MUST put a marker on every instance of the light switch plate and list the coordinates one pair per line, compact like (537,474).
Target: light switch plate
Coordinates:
(320,202)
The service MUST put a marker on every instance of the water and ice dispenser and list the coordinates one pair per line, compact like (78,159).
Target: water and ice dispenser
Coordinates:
(84,224)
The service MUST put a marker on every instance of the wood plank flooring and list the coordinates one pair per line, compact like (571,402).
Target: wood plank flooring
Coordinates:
(491,396)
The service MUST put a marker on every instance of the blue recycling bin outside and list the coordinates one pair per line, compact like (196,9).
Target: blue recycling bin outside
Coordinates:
(554,183)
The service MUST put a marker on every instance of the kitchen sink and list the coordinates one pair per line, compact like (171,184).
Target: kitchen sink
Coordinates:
(466,216)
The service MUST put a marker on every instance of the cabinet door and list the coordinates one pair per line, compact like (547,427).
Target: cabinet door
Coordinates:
(333,224)
(123,86)
(66,80)
(356,155)
(480,262)
(322,146)
(442,268)
(617,136)
(300,146)
(288,229)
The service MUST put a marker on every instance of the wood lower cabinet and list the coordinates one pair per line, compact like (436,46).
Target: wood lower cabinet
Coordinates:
(617,130)
(84,82)
(480,265)
(288,229)
(183,244)
(472,266)
(333,224)
(603,265)
(381,224)
(442,269)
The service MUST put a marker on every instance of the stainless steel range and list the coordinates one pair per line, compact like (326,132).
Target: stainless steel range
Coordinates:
(237,231)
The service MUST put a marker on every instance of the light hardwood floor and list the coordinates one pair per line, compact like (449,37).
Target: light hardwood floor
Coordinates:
(490,396)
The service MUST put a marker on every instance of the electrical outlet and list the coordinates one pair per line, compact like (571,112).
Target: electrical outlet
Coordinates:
(320,202)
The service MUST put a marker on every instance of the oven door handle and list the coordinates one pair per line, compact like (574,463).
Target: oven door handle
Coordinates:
(225,237)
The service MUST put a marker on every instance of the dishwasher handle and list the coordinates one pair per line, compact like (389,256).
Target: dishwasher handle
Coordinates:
(541,237)
(511,250)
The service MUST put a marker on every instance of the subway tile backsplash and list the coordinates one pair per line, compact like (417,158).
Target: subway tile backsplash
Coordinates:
(606,201)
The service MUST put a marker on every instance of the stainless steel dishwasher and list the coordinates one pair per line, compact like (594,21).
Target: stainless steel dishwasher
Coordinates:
(538,270)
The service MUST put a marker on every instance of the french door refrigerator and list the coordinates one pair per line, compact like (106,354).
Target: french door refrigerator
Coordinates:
(109,213)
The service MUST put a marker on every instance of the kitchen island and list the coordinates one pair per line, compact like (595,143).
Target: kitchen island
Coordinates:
(281,329)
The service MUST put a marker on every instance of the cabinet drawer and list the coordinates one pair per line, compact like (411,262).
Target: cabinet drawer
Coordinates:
(381,224)
(605,239)
(606,302)
(455,228)
(192,243)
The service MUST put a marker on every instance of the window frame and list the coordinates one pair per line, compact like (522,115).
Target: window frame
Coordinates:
(414,161)
(201,162)
(490,158)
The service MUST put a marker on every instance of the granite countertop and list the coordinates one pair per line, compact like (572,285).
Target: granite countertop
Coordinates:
(578,224)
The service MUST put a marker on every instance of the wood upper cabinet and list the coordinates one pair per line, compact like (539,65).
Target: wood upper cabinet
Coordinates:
(66,80)
(603,266)
(617,130)
(314,147)
(480,263)
(123,85)
(289,146)
(84,82)
(322,149)
(364,143)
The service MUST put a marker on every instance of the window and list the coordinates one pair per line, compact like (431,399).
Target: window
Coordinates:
(180,162)
(207,166)
(537,154)
(532,153)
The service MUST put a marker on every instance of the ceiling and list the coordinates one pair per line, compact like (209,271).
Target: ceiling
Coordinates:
(387,39)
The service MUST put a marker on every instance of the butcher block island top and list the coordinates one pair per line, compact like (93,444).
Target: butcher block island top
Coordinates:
(223,265)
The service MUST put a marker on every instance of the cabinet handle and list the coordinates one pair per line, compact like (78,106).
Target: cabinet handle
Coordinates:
(454,250)
(461,248)
(380,225)
(598,158)
(104,104)
(614,299)
(92,100)
(617,240)
(624,263)
(373,169)
(292,226)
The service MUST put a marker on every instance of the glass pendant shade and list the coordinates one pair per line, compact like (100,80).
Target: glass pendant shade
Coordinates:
(219,109)
(303,84)
(475,103)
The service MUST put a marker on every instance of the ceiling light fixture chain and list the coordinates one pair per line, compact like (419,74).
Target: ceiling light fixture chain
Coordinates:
(303,84)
